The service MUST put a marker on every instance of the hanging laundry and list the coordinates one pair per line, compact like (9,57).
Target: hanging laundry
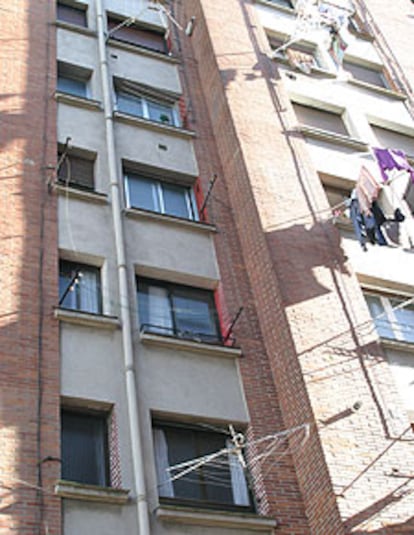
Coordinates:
(337,46)
(300,60)
(367,225)
(367,190)
(409,195)
(389,159)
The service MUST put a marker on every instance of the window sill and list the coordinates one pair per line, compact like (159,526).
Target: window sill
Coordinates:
(221,519)
(316,71)
(284,9)
(152,125)
(87,319)
(142,51)
(189,345)
(81,102)
(84,195)
(389,343)
(91,493)
(137,213)
(331,137)
(377,89)
(75,28)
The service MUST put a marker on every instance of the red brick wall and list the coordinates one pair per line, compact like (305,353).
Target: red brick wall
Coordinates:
(29,353)
(306,358)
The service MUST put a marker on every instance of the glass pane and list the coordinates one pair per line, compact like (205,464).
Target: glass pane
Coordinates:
(142,193)
(405,321)
(81,284)
(72,86)
(160,112)
(381,321)
(84,452)
(211,481)
(194,315)
(154,309)
(129,104)
(175,200)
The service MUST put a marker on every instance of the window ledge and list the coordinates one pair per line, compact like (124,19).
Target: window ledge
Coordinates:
(222,519)
(318,72)
(189,345)
(81,102)
(152,125)
(92,493)
(389,343)
(75,28)
(84,195)
(285,9)
(331,137)
(137,213)
(85,318)
(142,51)
(377,89)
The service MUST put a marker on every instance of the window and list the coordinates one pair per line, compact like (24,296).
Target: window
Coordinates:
(212,484)
(163,197)
(73,80)
(284,3)
(321,119)
(144,102)
(176,310)
(391,139)
(134,35)
(79,287)
(73,14)
(300,56)
(366,74)
(392,318)
(76,171)
(85,456)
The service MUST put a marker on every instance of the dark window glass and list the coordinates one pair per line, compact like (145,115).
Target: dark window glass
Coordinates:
(284,3)
(178,310)
(324,120)
(162,197)
(79,287)
(220,482)
(130,104)
(365,74)
(76,171)
(71,14)
(72,86)
(133,35)
(85,448)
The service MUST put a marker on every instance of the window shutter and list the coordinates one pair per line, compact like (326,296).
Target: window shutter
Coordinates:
(390,139)
(138,36)
(72,15)
(321,119)
(77,171)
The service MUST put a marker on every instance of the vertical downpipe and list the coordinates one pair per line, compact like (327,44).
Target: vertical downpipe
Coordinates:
(131,390)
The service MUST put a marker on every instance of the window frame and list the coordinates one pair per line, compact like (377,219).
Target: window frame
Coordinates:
(198,433)
(389,316)
(75,7)
(144,97)
(174,291)
(74,74)
(346,133)
(77,289)
(76,154)
(102,426)
(382,78)
(159,188)
(114,20)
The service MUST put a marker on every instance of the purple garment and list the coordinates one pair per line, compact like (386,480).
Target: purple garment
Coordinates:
(392,159)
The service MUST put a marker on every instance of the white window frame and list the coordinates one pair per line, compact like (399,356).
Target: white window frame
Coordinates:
(176,121)
(388,314)
(190,199)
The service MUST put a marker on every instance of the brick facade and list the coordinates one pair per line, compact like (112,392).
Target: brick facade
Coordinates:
(29,351)
(308,354)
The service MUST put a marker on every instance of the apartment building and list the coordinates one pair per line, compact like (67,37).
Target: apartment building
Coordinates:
(195,338)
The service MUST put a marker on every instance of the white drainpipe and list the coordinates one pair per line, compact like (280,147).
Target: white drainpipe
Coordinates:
(131,390)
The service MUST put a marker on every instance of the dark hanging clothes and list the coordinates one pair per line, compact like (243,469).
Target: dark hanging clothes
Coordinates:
(367,225)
